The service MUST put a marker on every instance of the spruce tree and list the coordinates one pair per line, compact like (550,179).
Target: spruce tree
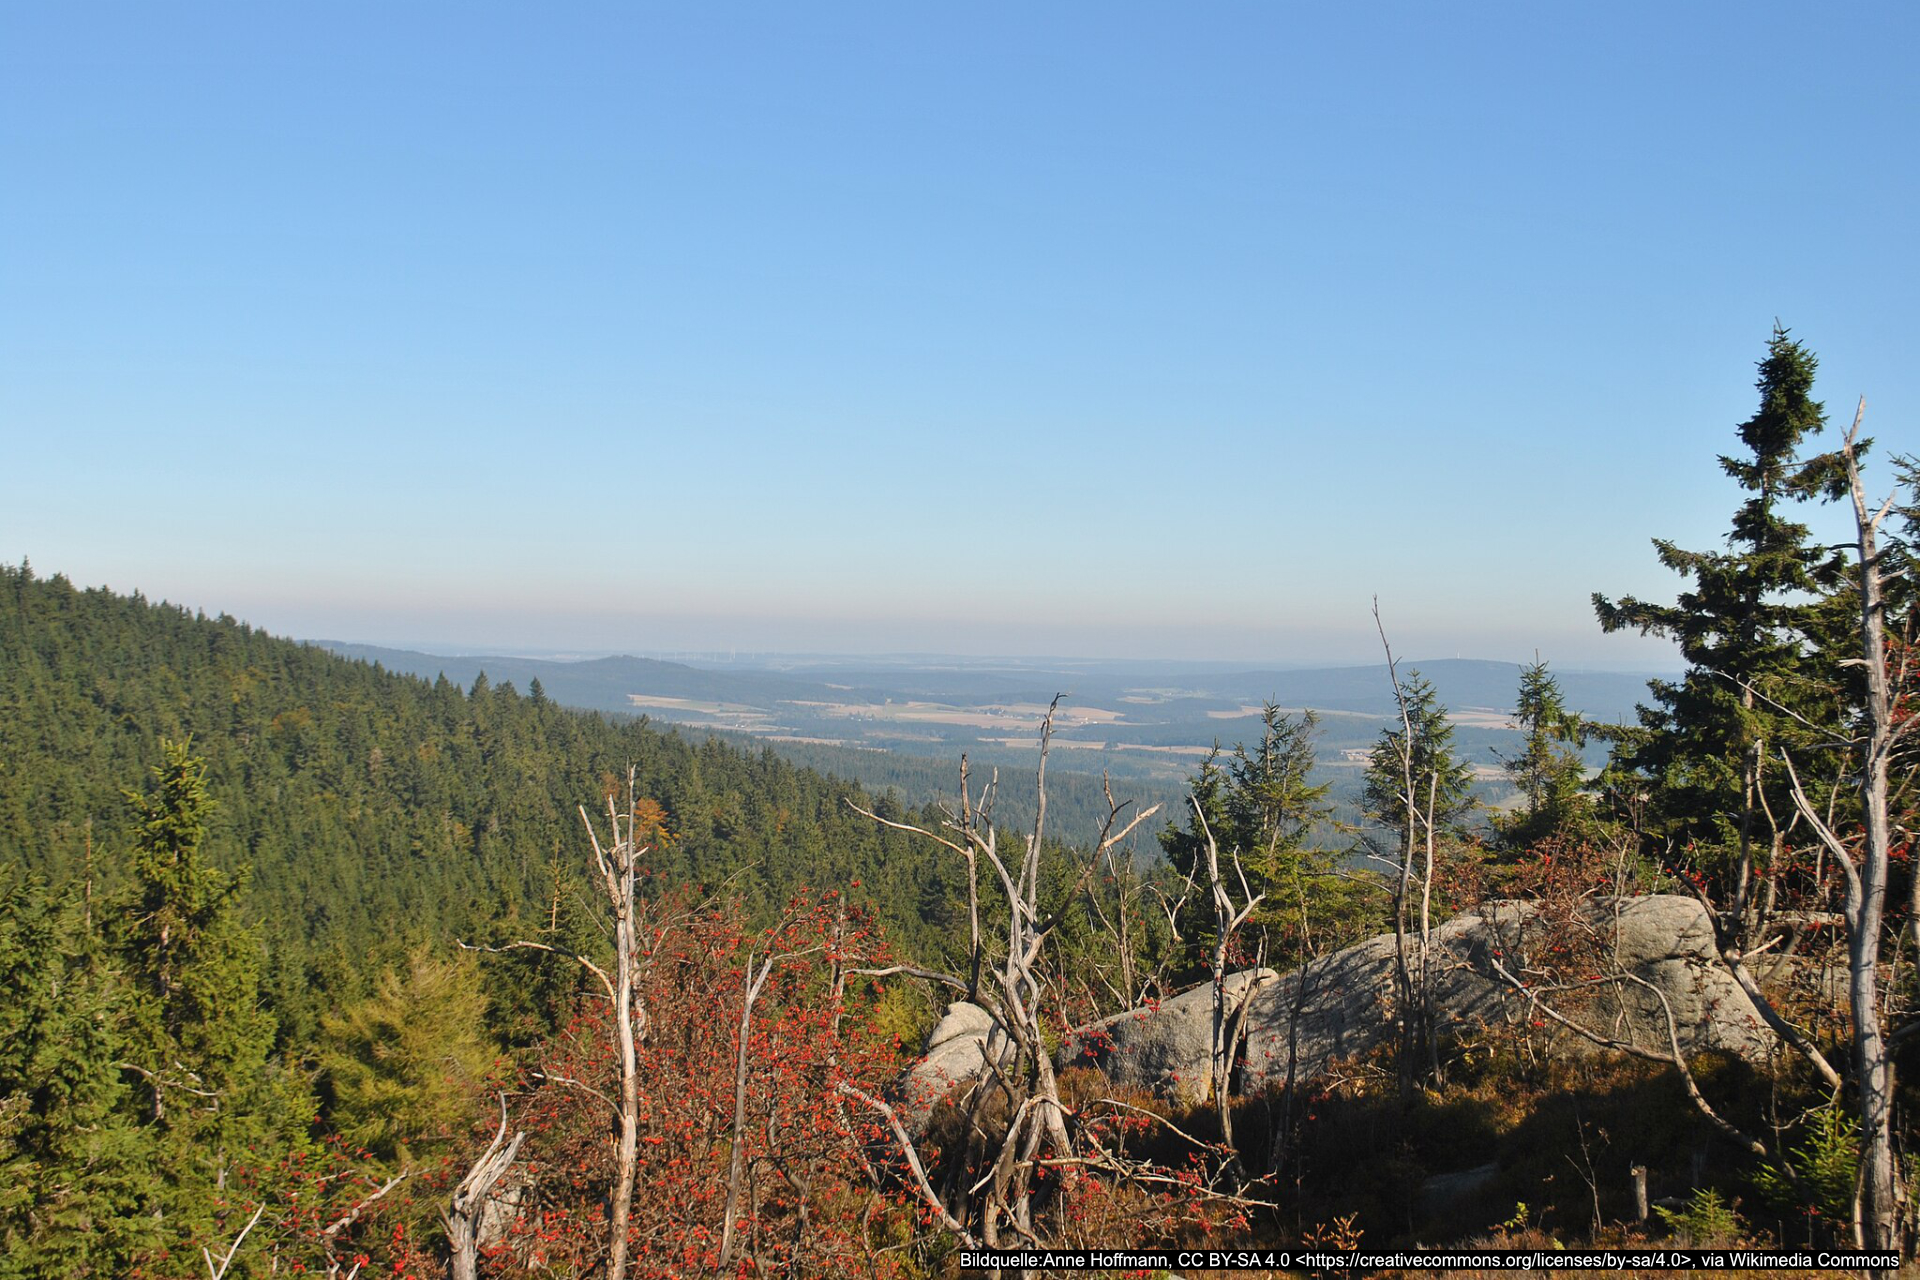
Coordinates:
(1419,790)
(1442,782)
(1703,756)
(1547,771)
(1263,807)
(199,1042)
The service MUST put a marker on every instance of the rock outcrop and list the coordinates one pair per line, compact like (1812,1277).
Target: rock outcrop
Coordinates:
(1164,1048)
(958,1049)
(1342,1005)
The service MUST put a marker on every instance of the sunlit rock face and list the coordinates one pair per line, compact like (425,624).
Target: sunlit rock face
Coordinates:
(1643,957)
(1164,1048)
(1644,951)
(958,1050)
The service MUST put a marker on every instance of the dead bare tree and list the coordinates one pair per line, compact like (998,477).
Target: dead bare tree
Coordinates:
(1412,955)
(1865,866)
(1228,1024)
(617,862)
(754,982)
(1127,907)
(468,1204)
(1013,992)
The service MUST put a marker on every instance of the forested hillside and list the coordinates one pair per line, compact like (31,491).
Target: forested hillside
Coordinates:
(369,810)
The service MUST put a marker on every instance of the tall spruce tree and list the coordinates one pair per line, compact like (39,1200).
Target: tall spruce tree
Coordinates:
(1262,805)
(199,1041)
(1704,756)
(1442,782)
(1418,791)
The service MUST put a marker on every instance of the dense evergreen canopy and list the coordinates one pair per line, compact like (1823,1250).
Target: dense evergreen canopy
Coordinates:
(365,810)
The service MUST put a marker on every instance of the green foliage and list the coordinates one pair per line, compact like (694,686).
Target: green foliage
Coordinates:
(1262,809)
(1749,627)
(374,810)
(1442,794)
(329,818)
(1547,771)
(1826,1163)
(77,1182)
(1705,1219)
(198,1038)
(193,965)
(404,1065)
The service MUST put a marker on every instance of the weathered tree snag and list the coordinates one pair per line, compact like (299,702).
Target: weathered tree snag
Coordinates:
(753,982)
(998,1208)
(1227,1025)
(1411,976)
(618,864)
(469,1202)
(1865,869)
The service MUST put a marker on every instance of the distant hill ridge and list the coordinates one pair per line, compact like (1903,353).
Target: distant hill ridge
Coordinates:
(606,683)
(1152,723)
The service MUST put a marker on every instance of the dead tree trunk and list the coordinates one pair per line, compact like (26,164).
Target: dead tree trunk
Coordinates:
(1227,921)
(468,1205)
(1000,1204)
(1865,868)
(755,981)
(618,864)
(1411,977)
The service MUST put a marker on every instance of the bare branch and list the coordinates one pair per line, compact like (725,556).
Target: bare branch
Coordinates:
(905,826)
(912,971)
(589,965)
(219,1272)
(1673,1057)
(912,1156)
(352,1215)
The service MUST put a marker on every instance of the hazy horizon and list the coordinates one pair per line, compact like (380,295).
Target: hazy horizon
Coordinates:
(817,661)
(521,634)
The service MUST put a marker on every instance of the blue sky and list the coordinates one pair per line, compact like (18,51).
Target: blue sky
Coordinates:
(1117,330)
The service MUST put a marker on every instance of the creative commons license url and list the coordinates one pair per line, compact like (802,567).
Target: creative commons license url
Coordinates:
(1161,1260)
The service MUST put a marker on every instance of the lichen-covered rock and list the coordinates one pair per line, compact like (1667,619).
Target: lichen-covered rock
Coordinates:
(1342,1005)
(958,1050)
(1164,1048)
(1668,941)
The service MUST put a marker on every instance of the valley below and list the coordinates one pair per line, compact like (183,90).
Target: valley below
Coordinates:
(904,722)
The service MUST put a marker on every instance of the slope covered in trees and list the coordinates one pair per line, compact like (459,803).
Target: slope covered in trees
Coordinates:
(367,810)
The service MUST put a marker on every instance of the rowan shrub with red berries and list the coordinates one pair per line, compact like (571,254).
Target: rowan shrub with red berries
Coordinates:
(816,1198)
